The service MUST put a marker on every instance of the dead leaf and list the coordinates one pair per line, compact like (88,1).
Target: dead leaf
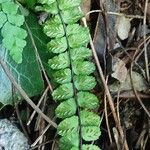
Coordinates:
(138,81)
(119,69)
(123,27)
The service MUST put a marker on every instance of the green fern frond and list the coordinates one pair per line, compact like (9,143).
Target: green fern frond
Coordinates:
(83,67)
(64,91)
(68,126)
(11,22)
(84,82)
(62,76)
(80,53)
(90,133)
(90,147)
(59,62)
(66,109)
(89,118)
(72,71)
(87,100)
(58,45)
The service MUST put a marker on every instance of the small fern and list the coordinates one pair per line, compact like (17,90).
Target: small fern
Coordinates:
(11,31)
(72,71)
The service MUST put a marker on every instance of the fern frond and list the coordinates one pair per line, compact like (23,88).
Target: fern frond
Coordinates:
(54,30)
(83,67)
(80,53)
(90,147)
(66,143)
(84,82)
(68,126)
(67,4)
(72,71)
(71,15)
(12,33)
(89,118)
(64,91)
(62,76)
(66,109)
(87,100)
(58,45)
(90,133)
(59,62)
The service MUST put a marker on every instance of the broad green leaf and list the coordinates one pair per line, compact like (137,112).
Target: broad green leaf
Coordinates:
(57,45)
(27,74)
(10,8)
(80,53)
(16,19)
(68,126)
(89,118)
(84,82)
(66,109)
(83,67)
(72,15)
(66,4)
(3,18)
(3,1)
(62,76)
(59,62)
(64,91)
(90,133)
(87,100)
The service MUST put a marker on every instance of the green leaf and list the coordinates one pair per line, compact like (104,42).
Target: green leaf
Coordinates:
(89,118)
(3,19)
(62,76)
(90,147)
(84,82)
(87,100)
(64,91)
(10,8)
(72,15)
(83,67)
(59,62)
(67,4)
(57,45)
(16,19)
(53,30)
(68,126)
(90,133)
(80,53)
(27,74)
(66,109)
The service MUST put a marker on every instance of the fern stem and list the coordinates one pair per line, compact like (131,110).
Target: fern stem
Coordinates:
(72,75)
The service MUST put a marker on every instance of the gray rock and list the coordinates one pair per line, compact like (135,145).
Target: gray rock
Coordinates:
(11,138)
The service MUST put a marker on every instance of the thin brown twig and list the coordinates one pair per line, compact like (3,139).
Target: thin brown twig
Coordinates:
(110,100)
(115,13)
(145,45)
(41,99)
(24,95)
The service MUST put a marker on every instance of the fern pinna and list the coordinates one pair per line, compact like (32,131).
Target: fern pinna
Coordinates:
(72,72)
